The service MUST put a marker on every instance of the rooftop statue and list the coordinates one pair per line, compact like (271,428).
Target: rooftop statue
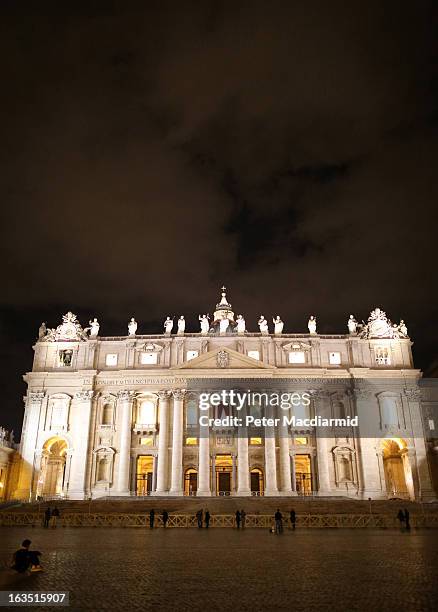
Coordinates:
(263,325)
(312,325)
(94,327)
(278,325)
(241,326)
(42,330)
(205,323)
(132,327)
(168,325)
(402,329)
(352,325)
(181,325)
(223,326)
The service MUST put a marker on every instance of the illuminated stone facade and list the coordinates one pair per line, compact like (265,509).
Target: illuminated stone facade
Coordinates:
(119,416)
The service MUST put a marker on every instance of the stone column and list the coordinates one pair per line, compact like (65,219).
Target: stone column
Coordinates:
(270,457)
(368,465)
(293,476)
(81,409)
(124,405)
(243,484)
(163,443)
(204,462)
(35,401)
(422,480)
(286,487)
(176,487)
(322,408)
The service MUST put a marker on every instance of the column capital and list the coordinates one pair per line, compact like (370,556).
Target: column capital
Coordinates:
(36,396)
(125,396)
(413,394)
(164,394)
(83,396)
(179,394)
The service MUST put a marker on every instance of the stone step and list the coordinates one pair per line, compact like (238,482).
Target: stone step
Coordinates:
(227,505)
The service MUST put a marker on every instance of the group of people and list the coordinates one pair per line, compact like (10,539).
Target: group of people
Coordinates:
(403,517)
(51,517)
(278,521)
(204,518)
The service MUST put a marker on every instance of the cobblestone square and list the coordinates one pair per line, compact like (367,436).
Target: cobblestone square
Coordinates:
(223,569)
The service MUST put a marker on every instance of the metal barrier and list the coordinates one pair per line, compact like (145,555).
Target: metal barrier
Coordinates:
(263,521)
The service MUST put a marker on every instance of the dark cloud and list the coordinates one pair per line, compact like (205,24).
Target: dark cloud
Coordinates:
(152,152)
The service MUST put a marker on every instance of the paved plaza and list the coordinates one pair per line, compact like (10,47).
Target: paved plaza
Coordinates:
(223,569)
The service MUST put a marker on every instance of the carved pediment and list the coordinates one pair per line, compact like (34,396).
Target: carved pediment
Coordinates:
(222,358)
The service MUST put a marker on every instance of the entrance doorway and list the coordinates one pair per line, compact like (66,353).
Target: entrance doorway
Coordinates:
(224,470)
(51,482)
(303,475)
(396,467)
(190,482)
(145,474)
(257,484)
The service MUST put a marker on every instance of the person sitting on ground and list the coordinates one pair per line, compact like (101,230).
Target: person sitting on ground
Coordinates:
(24,559)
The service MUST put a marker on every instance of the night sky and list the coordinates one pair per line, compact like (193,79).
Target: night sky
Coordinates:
(153,151)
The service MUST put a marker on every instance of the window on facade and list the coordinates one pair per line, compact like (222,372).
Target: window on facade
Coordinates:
(102,469)
(388,407)
(148,441)
(65,358)
(146,413)
(301,440)
(191,413)
(431,424)
(254,355)
(344,469)
(297,357)
(148,358)
(191,441)
(255,441)
(111,359)
(192,355)
(301,411)
(382,355)
(339,410)
(107,414)
(335,358)
(58,413)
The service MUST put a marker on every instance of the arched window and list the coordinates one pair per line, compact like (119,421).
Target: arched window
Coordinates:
(146,412)
(102,469)
(344,469)
(339,410)
(107,414)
